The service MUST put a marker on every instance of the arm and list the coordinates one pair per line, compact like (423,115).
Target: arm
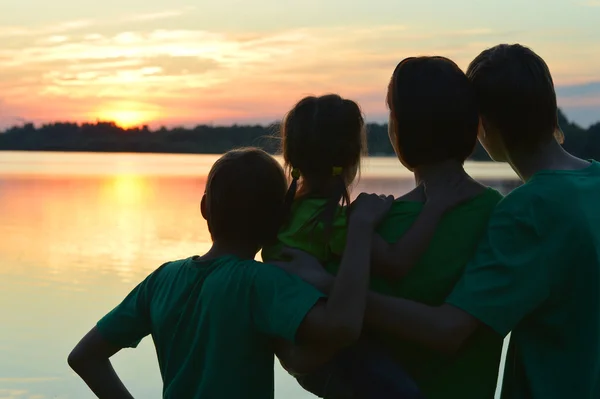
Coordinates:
(90,360)
(508,278)
(298,360)
(123,327)
(443,328)
(337,322)
(394,261)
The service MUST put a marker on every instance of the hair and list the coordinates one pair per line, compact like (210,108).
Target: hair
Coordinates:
(245,192)
(323,140)
(434,111)
(516,95)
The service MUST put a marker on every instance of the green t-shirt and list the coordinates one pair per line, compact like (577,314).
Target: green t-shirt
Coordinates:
(303,233)
(473,372)
(212,323)
(537,273)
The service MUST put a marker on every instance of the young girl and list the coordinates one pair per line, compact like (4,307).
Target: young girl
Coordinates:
(323,141)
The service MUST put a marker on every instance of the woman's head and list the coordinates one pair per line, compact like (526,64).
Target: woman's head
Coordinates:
(323,141)
(244,198)
(516,98)
(433,112)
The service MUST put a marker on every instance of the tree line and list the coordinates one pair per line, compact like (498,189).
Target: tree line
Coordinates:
(204,139)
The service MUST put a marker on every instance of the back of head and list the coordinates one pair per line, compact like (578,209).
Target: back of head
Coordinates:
(321,133)
(323,141)
(516,95)
(434,114)
(244,197)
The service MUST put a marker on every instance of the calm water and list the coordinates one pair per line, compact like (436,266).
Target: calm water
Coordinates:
(78,231)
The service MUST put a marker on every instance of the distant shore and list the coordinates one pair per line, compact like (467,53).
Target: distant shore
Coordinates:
(204,139)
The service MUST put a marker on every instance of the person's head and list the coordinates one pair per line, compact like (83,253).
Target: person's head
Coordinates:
(243,202)
(323,140)
(433,112)
(516,99)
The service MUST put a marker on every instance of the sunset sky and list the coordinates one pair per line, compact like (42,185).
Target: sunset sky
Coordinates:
(184,62)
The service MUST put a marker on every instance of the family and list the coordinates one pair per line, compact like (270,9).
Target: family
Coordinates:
(384,297)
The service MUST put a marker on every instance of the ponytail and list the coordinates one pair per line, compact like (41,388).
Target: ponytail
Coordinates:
(339,193)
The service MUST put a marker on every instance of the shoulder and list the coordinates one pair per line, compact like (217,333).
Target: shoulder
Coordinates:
(172,266)
(521,199)
(268,271)
(536,202)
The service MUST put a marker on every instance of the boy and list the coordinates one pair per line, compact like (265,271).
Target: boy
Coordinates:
(214,318)
(537,270)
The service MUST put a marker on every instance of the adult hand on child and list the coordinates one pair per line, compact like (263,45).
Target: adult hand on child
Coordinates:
(369,209)
(307,267)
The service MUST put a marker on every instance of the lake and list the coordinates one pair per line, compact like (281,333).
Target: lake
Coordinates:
(79,231)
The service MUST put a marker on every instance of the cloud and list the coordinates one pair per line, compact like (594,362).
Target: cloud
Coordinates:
(590,3)
(158,15)
(17,31)
(81,70)
(579,90)
(581,102)
(28,379)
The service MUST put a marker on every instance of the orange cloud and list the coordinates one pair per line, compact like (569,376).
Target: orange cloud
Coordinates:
(83,70)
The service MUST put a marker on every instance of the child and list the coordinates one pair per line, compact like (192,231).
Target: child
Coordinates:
(323,140)
(213,318)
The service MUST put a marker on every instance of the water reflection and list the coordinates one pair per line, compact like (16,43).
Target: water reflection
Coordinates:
(73,244)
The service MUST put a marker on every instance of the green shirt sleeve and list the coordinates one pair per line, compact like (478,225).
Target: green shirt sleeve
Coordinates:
(128,323)
(280,301)
(509,275)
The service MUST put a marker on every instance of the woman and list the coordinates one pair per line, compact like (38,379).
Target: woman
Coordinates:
(433,128)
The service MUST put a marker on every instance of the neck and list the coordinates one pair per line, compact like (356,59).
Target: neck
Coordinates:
(317,188)
(550,156)
(242,251)
(438,171)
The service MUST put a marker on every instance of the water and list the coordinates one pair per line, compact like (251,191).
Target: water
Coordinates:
(78,231)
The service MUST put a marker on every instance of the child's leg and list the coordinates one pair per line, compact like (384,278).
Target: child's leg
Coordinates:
(330,381)
(375,374)
(363,371)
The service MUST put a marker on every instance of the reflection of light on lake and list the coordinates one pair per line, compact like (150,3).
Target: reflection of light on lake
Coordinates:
(126,217)
(128,189)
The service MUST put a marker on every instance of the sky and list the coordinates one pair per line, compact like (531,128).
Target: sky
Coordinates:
(186,62)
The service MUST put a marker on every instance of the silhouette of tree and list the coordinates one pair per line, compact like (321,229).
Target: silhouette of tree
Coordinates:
(204,139)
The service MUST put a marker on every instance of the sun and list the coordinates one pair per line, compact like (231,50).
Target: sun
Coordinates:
(125,118)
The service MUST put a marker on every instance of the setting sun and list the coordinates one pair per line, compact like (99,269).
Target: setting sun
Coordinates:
(126,115)
(126,118)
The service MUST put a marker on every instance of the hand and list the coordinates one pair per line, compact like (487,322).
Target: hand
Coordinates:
(449,193)
(369,209)
(307,267)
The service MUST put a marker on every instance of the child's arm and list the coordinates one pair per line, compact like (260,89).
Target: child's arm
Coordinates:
(124,327)
(394,261)
(91,361)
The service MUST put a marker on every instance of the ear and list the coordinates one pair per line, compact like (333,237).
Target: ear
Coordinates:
(204,208)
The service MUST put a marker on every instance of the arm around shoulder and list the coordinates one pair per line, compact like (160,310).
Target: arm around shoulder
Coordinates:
(394,261)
